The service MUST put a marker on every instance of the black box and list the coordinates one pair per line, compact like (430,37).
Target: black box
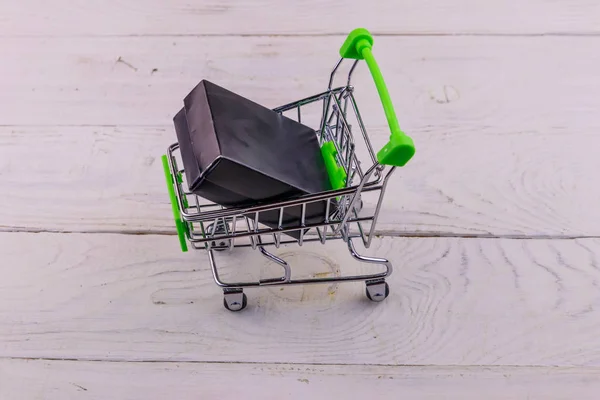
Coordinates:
(238,153)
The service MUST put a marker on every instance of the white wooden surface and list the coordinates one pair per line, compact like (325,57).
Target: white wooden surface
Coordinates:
(92,380)
(495,293)
(450,84)
(467,183)
(454,301)
(301,17)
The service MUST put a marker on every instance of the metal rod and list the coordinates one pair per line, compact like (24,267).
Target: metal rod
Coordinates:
(268,231)
(287,271)
(378,207)
(362,129)
(351,71)
(333,72)
(302,224)
(279,226)
(286,279)
(233,225)
(308,100)
(249,234)
(349,161)
(346,126)
(369,186)
(356,195)
(326,103)
(322,237)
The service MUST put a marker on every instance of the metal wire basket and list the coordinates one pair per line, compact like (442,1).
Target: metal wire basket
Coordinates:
(211,227)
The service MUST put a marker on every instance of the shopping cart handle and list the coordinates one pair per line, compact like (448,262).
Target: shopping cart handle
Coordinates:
(176,213)
(400,149)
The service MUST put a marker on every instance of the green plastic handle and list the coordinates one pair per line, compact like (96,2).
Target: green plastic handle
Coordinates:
(179,225)
(337,175)
(400,149)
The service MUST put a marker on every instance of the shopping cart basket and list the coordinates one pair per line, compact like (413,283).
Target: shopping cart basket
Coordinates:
(211,227)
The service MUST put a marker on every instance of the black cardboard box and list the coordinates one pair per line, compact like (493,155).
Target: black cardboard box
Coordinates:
(237,153)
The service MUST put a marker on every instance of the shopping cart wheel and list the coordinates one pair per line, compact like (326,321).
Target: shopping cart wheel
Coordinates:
(221,244)
(378,290)
(235,299)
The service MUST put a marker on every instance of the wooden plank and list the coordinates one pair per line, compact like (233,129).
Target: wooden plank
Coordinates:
(84,179)
(464,183)
(453,302)
(450,84)
(102,380)
(268,17)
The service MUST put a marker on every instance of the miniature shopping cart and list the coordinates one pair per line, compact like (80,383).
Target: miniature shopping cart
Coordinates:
(211,227)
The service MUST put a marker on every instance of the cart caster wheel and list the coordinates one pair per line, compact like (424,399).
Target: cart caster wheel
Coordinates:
(235,301)
(378,291)
(221,244)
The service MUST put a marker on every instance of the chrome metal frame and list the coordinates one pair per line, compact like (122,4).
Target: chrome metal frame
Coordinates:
(215,228)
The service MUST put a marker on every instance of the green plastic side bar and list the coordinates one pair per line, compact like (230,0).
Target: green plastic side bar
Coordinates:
(176,214)
(337,175)
(400,149)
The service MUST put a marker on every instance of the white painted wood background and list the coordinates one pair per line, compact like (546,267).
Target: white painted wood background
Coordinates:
(493,227)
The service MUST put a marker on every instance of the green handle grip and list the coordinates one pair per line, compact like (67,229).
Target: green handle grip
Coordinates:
(337,175)
(179,225)
(400,149)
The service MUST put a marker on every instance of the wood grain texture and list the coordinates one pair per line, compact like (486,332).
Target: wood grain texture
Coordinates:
(268,17)
(481,84)
(453,302)
(501,98)
(462,183)
(34,379)
(499,152)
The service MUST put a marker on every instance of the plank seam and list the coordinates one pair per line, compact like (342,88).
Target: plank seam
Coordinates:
(301,35)
(316,364)
(378,234)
